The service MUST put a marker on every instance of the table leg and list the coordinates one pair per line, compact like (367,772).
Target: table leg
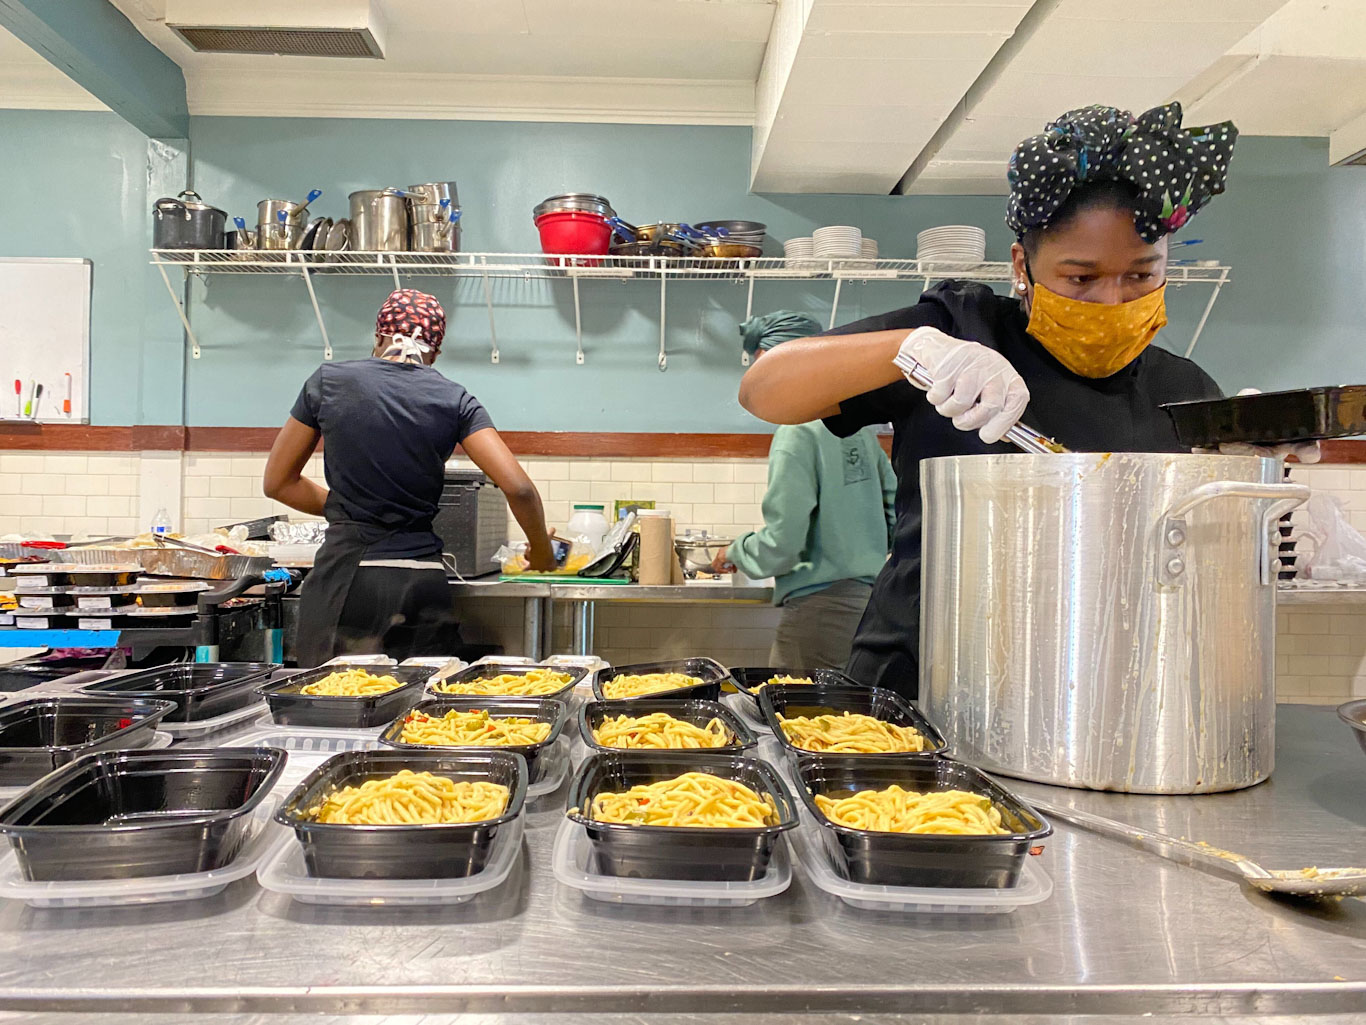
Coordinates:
(547,626)
(582,612)
(533,613)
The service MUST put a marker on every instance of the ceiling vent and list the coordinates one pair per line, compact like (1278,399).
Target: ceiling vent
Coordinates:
(287,28)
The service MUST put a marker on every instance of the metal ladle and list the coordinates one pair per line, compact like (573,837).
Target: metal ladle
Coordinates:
(1022,437)
(1317,882)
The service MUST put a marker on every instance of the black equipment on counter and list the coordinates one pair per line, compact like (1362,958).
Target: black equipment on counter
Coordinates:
(1271,418)
(472,522)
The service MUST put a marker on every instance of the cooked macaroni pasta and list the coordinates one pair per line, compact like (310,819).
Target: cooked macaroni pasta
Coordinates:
(661,730)
(783,679)
(350,683)
(412,798)
(646,683)
(475,728)
(895,810)
(850,733)
(694,799)
(537,681)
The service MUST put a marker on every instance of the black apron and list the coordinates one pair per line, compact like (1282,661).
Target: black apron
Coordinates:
(326,588)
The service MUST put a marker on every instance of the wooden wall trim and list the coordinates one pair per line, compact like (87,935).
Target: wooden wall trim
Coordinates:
(554,444)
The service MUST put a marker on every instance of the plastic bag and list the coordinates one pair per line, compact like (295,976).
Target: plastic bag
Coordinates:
(1339,549)
(512,559)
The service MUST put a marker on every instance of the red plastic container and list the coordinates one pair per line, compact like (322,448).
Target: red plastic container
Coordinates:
(571,232)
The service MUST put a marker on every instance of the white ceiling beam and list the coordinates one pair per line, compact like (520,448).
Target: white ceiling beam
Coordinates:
(851,90)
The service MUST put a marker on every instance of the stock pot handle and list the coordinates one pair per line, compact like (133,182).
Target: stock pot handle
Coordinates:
(1172,533)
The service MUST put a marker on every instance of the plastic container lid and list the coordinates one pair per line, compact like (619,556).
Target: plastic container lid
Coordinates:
(554,768)
(651,513)
(101,893)
(571,861)
(736,703)
(599,506)
(203,727)
(308,748)
(1034,887)
(282,871)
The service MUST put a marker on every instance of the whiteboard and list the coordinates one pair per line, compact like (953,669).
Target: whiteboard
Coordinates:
(45,335)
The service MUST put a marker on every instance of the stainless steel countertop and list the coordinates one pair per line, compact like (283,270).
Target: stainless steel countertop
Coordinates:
(1320,595)
(695,592)
(1124,933)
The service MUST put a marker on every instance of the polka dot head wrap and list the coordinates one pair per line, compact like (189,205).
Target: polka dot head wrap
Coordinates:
(407,310)
(1175,171)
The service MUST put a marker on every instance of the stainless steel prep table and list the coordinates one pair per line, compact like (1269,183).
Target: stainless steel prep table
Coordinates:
(538,598)
(1124,933)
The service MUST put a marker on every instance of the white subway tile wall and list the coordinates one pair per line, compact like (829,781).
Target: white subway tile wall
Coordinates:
(1321,650)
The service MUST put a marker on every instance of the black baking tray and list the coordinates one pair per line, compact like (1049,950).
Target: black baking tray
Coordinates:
(793,700)
(748,678)
(694,710)
(678,852)
(708,670)
(103,577)
(199,690)
(127,814)
(429,851)
(290,708)
(1271,418)
(42,734)
(487,670)
(919,859)
(547,710)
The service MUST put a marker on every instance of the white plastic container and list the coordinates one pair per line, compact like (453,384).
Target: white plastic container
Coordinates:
(589,523)
(571,861)
(202,728)
(308,748)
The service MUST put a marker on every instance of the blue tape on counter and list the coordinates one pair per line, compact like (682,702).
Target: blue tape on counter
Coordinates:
(59,638)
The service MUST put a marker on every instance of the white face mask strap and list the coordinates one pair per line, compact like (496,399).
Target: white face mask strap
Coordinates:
(409,348)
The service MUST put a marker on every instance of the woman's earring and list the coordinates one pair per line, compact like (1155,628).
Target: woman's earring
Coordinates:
(1020,286)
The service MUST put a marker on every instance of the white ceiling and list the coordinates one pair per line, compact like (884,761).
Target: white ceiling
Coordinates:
(844,95)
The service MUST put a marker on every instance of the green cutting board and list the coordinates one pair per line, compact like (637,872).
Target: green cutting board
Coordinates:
(560,578)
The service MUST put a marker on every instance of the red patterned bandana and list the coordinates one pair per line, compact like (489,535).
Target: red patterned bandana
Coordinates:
(407,311)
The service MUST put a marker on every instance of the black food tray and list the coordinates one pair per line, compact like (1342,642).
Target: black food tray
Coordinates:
(43,734)
(747,678)
(791,700)
(127,814)
(693,710)
(677,852)
(709,671)
(486,671)
(200,690)
(430,851)
(547,710)
(919,859)
(290,708)
(1271,418)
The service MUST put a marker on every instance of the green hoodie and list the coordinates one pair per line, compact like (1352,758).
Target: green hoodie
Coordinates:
(828,512)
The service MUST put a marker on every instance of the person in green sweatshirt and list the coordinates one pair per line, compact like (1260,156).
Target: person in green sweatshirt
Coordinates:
(828,516)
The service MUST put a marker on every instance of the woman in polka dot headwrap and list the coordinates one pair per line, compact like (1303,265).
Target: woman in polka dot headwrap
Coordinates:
(1092,201)
(389,423)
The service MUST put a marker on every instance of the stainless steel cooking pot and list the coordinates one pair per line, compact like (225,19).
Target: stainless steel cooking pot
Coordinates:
(436,237)
(187,222)
(1104,620)
(379,221)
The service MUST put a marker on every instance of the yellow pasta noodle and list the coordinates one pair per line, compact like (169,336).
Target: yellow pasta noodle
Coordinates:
(646,683)
(475,728)
(895,810)
(412,798)
(350,683)
(660,730)
(537,681)
(694,799)
(850,733)
(806,680)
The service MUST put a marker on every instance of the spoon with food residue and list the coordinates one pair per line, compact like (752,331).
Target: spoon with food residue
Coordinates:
(1019,435)
(1301,882)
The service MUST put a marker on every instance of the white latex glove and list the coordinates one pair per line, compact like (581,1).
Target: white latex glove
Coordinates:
(974,386)
(1304,451)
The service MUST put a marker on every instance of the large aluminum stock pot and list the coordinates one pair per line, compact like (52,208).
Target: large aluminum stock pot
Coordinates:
(1104,620)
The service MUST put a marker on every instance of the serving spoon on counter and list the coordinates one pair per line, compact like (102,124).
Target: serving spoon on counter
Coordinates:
(1304,882)
(1019,435)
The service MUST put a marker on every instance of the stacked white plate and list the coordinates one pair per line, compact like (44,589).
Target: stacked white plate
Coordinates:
(799,251)
(869,249)
(951,243)
(838,242)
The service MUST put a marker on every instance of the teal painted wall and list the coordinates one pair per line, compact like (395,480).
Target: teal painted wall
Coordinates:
(1293,229)
(76,184)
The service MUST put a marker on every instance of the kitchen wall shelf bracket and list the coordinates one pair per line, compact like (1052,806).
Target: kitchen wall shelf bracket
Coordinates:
(749,312)
(180,311)
(540,266)
(317,312)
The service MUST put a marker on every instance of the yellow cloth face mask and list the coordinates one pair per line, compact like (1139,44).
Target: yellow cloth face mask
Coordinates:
(1096,339)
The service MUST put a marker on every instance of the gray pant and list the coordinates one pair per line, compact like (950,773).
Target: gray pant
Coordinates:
(817,630)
